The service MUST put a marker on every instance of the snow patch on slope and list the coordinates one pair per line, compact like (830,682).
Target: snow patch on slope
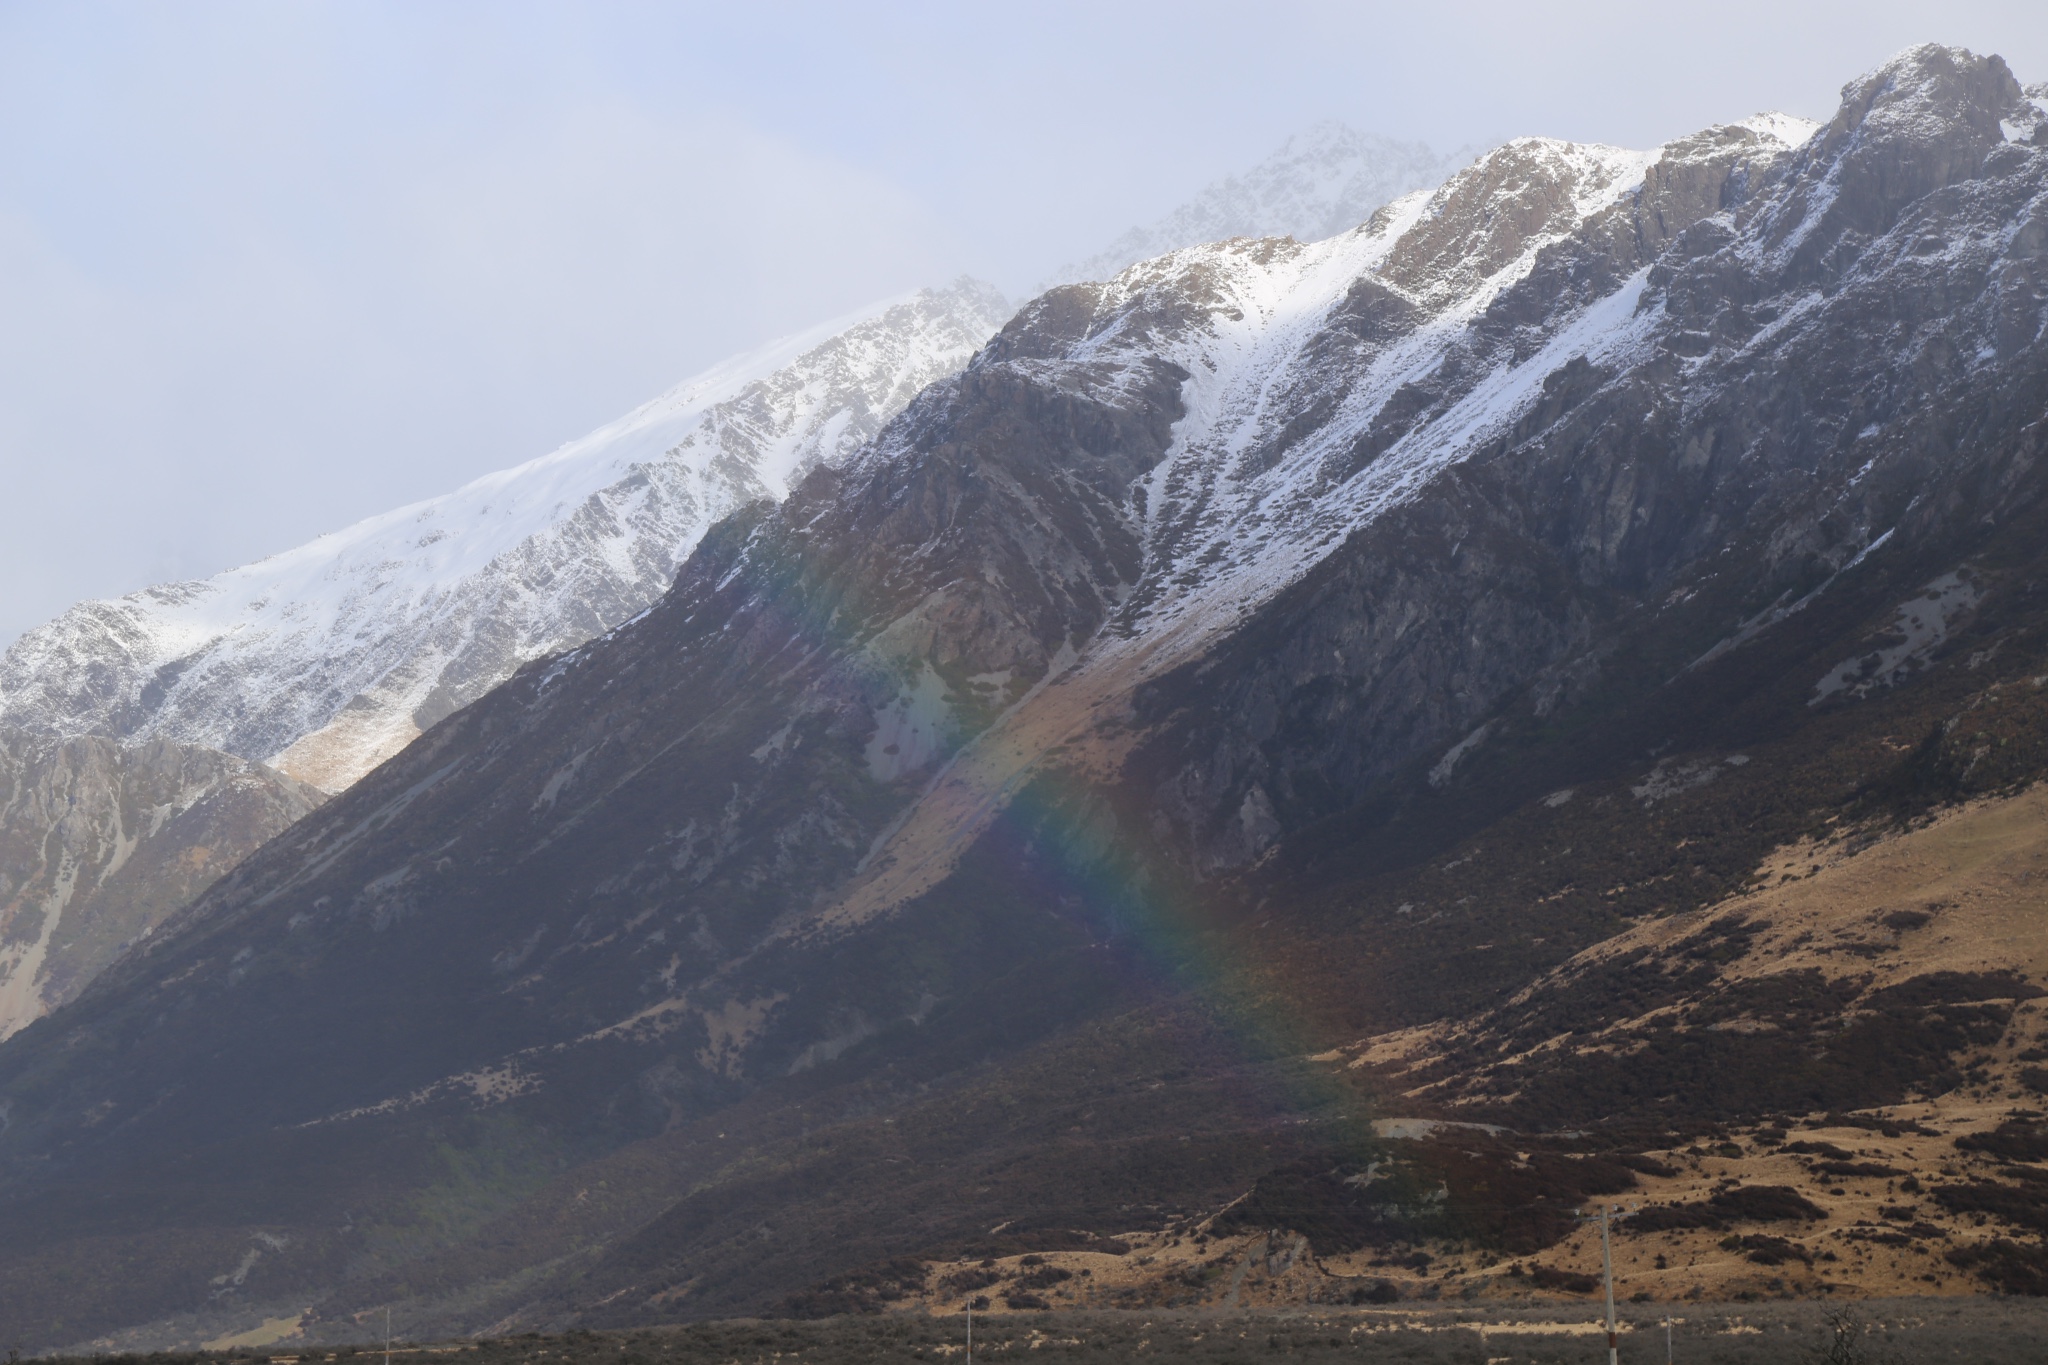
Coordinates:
(1236,511)
(1789,129)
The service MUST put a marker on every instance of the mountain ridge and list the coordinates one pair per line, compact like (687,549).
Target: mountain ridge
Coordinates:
(326,659)
(443,625)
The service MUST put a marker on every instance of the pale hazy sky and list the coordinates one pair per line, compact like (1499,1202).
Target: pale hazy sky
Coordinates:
(267,268)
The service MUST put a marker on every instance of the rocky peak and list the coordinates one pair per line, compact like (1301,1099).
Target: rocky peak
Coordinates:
(1490,214)
(1926,119)
(1309,365)
(1686,182)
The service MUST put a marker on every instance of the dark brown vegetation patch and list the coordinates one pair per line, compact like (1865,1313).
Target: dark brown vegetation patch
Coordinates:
(1952,988)
(1765,1204)
(1743,1204)
(1856,1169)
(2014,1140)
(1881,1236)
(870,1290)
(1043,1277)
(1471,1187)
(1803,1042)
(1673,1218)
(1376,1291)
(1562,1281)
(2007,1266)
(1767,1250)
(1826,1149)
(2023,1206)
(1890,1128)
(969,1280)
(1644,1165)
(1030,1240)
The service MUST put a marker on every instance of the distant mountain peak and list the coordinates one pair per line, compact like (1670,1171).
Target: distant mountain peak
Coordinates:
(1324,180)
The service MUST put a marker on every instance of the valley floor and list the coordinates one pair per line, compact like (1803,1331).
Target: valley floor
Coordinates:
(1986,1331)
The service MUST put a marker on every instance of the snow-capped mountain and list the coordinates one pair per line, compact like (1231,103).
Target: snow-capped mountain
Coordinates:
(1324,181)
(325,660)
(1016,826)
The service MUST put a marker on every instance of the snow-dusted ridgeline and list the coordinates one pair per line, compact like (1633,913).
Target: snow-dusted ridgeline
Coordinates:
(1246,500)
(325,660)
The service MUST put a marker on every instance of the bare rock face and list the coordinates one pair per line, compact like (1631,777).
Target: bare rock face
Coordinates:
(100,844)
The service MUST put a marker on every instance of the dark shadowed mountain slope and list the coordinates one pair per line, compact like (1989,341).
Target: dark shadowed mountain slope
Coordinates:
(1038,789)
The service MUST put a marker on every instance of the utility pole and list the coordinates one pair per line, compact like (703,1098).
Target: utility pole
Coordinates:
(1606,1217)
(387,1333)
(970,1333)
(1606,1273)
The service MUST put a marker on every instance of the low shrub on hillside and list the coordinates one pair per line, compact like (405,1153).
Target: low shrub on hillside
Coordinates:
(2015,1140)
(1464,1185)
(1765,1204)
(870,1290)
(1765,1249)
(2008,1266)
(1562,1281)
(2023,1206)
(1672,1218)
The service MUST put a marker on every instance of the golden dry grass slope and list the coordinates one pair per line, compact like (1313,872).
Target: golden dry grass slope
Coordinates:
(1897,1204)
